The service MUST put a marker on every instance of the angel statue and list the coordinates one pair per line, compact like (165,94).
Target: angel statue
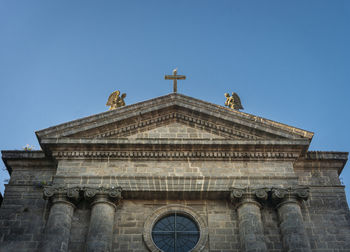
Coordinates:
(114,101)
(233,101)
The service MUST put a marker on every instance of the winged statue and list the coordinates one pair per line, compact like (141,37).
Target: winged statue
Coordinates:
(233,101)
(116,101)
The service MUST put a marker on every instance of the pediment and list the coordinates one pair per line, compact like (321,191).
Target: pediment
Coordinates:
(192,118)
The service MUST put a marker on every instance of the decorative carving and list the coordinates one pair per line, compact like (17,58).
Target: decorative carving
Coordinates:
(262,193)
(296,193)
(233,102)
(114,193)
(236,193)
(278,193)
(90,192)
(249,193)
(50,191)
(302,193)
(115,101)
(203,155)
(74,193)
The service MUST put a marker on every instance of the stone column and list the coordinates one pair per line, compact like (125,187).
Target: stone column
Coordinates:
(103,206)
(291,220)
(251,229)
(57,230)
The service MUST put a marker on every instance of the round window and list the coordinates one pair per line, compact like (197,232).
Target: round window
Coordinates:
(175,233)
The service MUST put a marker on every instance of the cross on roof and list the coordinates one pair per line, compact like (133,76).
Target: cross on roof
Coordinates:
(175,77)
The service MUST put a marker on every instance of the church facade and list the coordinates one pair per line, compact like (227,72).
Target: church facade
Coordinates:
(174,174)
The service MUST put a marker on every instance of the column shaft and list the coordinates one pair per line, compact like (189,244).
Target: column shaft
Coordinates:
(57,230)
(100,234)
(292,227)
(250,227)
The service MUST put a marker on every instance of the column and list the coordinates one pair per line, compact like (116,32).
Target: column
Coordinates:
(57,230)
(291,220)
(103,206)
(251,229)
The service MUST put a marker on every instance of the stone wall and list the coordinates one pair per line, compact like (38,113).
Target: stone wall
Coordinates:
(24,213)
(326,213)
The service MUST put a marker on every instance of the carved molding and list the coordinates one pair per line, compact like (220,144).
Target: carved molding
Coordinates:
(177,155)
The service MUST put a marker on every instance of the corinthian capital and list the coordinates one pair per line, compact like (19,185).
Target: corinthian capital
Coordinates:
(114,193)
(296,193)
(238,194)
(61,191)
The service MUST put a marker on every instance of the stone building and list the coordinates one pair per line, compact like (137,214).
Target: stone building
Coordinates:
(175,174)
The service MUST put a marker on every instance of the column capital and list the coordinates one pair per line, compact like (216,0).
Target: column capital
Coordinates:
(112,195)
(62,194)
(249,195)
(289,195)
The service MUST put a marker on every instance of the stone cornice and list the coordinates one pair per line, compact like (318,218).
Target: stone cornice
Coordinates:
(35,159)
(167,141)
(326,155)
(176,148)
(177,155)
(323,160)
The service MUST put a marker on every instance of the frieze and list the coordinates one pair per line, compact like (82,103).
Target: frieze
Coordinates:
(177,155)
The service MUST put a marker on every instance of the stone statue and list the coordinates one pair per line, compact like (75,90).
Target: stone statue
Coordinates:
(233,101)
(115,101)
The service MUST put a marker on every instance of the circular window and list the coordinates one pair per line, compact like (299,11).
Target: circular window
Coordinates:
(175,228)
(175,232)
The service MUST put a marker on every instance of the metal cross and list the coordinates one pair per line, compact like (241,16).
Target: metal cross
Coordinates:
(175,78)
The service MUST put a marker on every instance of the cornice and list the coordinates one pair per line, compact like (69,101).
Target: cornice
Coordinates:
(324,160)
(176,148)
(119,141)
(178,155)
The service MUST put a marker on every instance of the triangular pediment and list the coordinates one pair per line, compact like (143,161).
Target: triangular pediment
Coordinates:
(192,118)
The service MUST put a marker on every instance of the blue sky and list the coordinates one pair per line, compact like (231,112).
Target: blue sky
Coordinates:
(288,60)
